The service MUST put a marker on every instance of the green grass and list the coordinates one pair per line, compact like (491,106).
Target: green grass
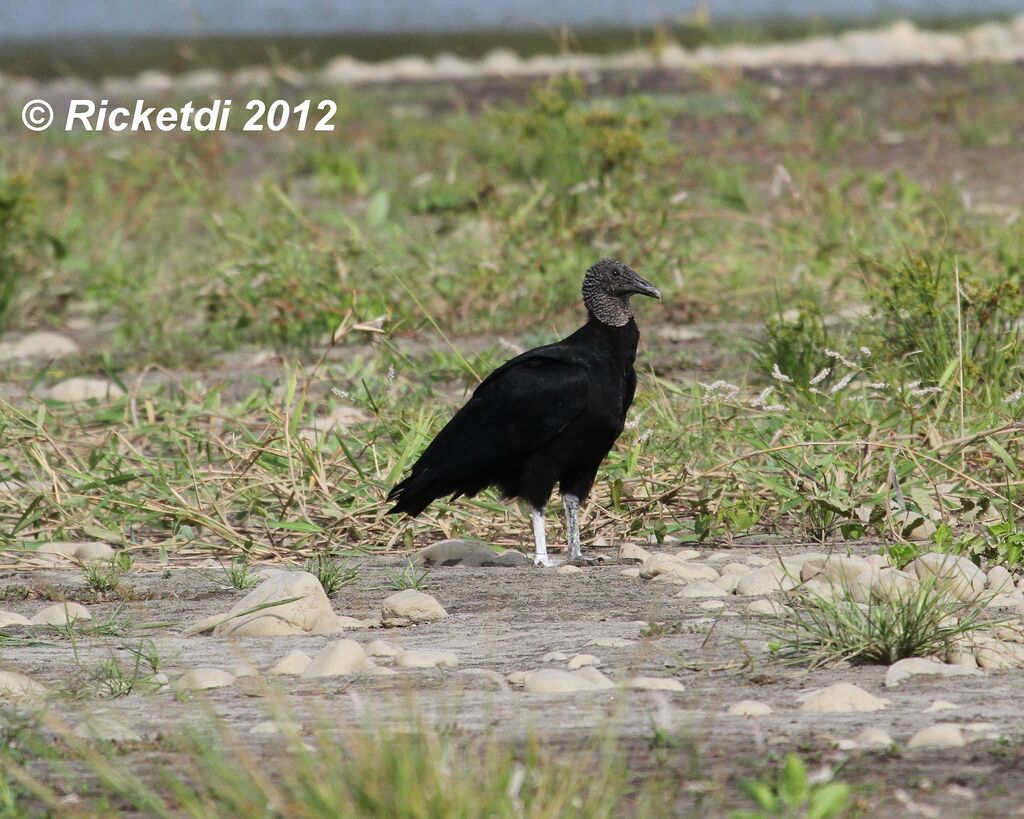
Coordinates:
(921,621)
(428,237)
(408,773)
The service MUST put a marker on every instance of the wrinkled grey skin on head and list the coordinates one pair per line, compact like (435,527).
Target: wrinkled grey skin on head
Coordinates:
(607,288)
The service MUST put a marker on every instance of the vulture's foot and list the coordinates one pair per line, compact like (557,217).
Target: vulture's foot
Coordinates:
(585,560)
(544,561)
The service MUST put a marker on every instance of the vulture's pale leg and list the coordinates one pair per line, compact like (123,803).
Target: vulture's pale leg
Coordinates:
(540,545)
(572,526)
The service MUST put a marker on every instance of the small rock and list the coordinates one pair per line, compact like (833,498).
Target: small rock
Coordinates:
(839,568)
(555,681)
(677,569)
(11,618)
(340,658)
(17,686)
(418,658)
(941,705)
(382,671)
(903,670)
(631,553)
(202,679)
(728,582)
(886,584)
(382,648)
(61,614)
(266,728)
(703,588)
(1002,601)
(634,572)
(483,677)
(293,663)
(712,605)
(873,738)
(766,580)
(998,654)
(879,562)
(568,568)
(468,553)
(555,657)
(999,580)
(942,735)
(754,560)
(655,684)
(410,606)
(749,708)
(518,678)
(41,344)
(582,660)
(82,551)
(766,608)
(80,389)
(734,568)
(952,573)
(841,698)
(311,613)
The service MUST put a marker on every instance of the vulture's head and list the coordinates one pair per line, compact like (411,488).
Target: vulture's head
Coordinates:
(607,288)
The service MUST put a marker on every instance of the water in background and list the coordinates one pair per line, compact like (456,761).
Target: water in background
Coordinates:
(40,19)
(98,37)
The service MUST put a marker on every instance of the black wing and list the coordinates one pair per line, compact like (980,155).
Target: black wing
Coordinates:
(514,412)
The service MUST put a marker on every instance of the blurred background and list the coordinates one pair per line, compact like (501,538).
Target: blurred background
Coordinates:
(88,37)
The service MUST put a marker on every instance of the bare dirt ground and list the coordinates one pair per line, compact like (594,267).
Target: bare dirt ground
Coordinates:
(506,620)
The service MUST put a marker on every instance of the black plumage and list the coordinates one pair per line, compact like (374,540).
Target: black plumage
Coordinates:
(549,415)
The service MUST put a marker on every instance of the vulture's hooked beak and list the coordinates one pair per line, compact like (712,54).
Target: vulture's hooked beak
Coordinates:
(641,287)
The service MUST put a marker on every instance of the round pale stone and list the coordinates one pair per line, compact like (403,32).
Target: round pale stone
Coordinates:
(556,681)
(903,670)
(766,608)
(594,677)
(12,618)
(631,553)
(80,389)
(568,568)
(873,738)
(703,588)
(293,663)
(841,698)
(81,550)
(410,606)
(999,580)
(17,686)
(750,708)
(202,679)
(942,735)
(952,573)
(713,605)
(383,648)
(766,580)
(941,705)
(582,660)
(264,612)
(634,572)
(106,728)
(339,658)
(735,568)
(555,657)
(674,568)
(61,614)
(611,642)
(419,658)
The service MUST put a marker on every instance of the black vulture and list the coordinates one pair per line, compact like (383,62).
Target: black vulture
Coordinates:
(550,415)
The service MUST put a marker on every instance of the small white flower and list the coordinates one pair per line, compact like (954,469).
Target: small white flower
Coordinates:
(511,346)
(778,375)
(645,436)
(391,372)
(821,376)
(840,385)
(719,389)
(877,385)
(839,357)
(864,351)
(760,400)
(774,408)
(340,393)
(1015,396)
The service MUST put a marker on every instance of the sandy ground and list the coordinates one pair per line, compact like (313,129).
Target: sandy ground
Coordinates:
(507,620)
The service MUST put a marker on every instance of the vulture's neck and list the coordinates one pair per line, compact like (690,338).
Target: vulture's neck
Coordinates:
(608,309)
